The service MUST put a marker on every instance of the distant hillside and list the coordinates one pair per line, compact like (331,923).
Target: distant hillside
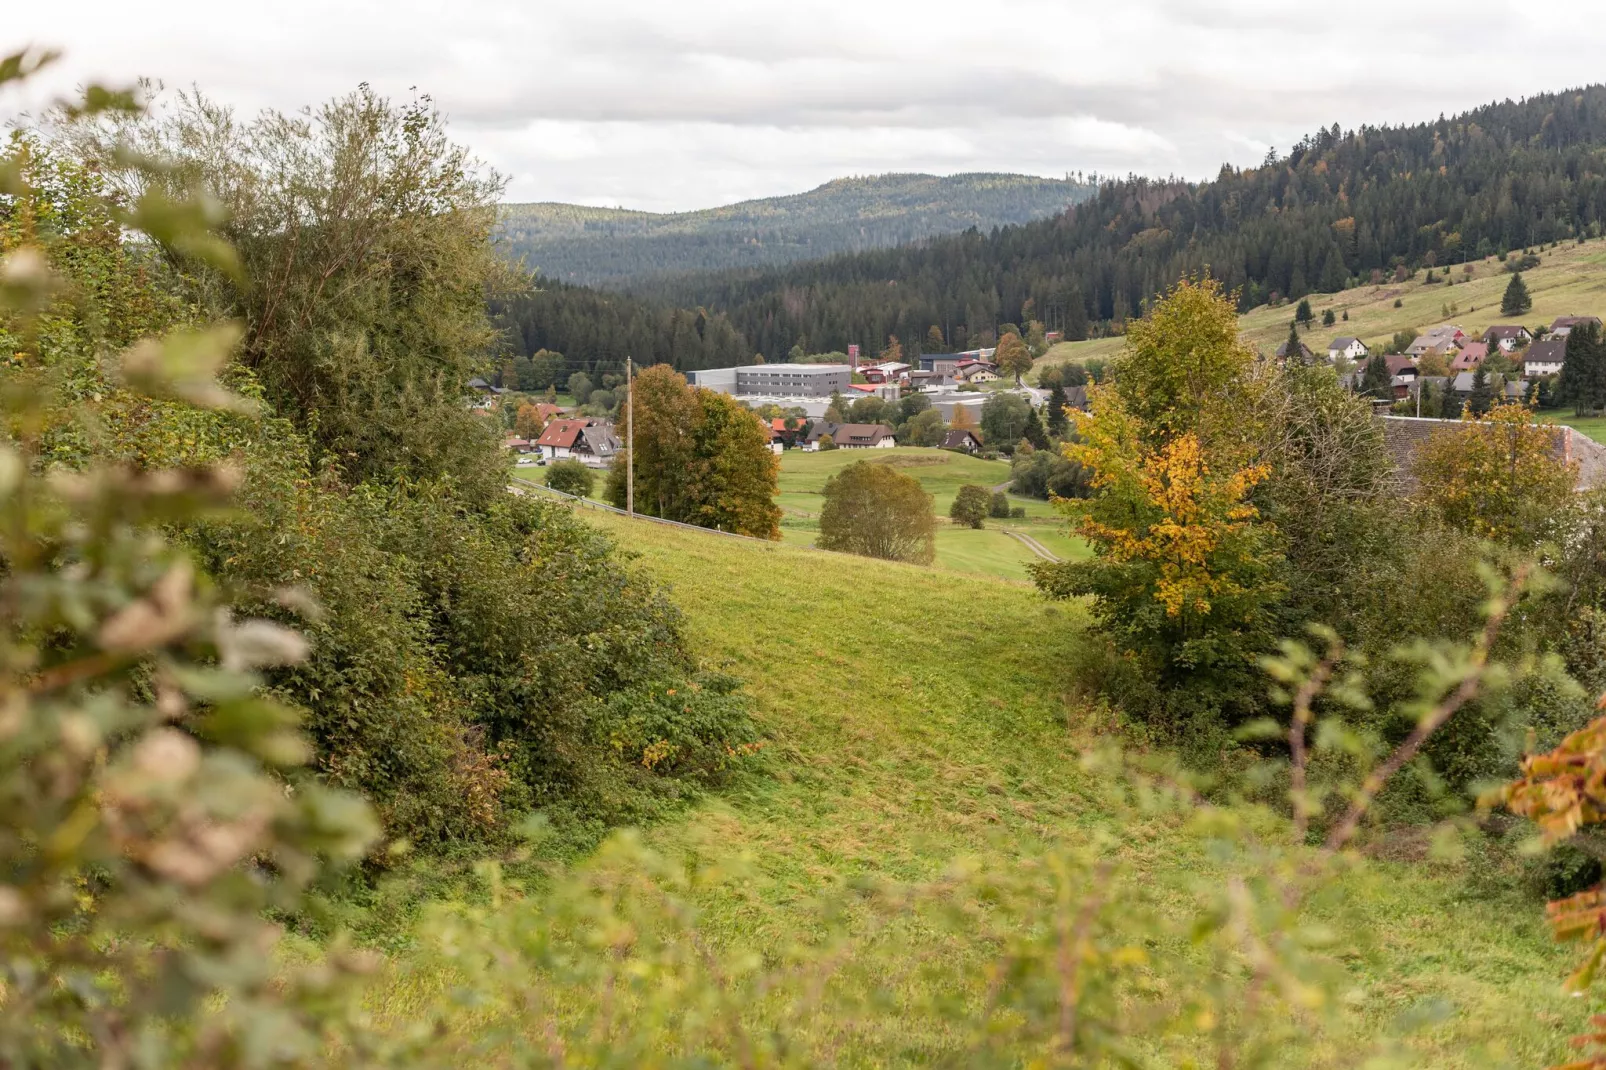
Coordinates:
(1342,209)
(613,247)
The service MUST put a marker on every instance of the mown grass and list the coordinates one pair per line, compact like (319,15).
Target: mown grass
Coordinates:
(986,552)
(1570,280)
(917,716)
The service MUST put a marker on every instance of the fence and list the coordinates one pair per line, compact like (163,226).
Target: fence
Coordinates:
(589,504)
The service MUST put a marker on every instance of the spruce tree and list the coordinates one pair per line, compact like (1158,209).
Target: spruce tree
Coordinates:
(1375,380)
(1303,314)
(1482,397)
(1293,349)
(1075,317)
(1583,373)
(1328,319)
(1449,404)
(1516,300)
(1057,422)
(1034,432)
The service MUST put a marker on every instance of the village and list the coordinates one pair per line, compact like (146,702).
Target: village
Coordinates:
(1435,374)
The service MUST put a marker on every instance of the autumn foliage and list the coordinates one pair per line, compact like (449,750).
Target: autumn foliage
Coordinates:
(701,458)
(1181,565)
(1499,477)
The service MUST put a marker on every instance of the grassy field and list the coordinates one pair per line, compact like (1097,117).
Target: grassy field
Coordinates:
(1570,280)
(987,552)
(936,727)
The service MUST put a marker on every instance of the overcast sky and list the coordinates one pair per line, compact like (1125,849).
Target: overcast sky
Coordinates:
(677,104)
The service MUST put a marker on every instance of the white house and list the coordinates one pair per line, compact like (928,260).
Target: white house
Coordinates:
(591,442)
(1508,336)
(1350,349)
(1544,358)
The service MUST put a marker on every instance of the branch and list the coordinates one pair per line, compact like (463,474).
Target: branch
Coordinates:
(1345,830)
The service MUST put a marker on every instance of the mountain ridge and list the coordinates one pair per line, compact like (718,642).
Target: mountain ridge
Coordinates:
(617,247)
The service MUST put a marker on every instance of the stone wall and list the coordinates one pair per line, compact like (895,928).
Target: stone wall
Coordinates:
(1404,435)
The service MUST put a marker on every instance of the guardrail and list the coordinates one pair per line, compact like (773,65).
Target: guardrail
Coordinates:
(590,504)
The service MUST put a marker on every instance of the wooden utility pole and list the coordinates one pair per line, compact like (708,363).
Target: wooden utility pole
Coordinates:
(630,439)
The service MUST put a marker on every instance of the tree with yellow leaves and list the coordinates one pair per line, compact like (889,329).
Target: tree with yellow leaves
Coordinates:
(1184,572)
(1502,477)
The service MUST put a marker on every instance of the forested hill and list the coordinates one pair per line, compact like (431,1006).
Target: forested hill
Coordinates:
(1338,208)
(610,246)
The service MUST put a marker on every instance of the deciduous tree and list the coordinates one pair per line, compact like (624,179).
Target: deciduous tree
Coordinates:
(1502,477)
(701,458)
(877,511)
(970,506)
(1012,356)
(1003,419)
(1183,571)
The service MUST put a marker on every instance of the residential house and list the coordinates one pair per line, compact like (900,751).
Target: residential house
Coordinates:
(1352,349)
(1544,358)
(1304,351)
(589,441)
(1509,337)
(1442,340)
(520,446)
(1400,367)
(976,371)
(963,440)
(851,436)
(1471,355)
(485,394)
(1076,398)
(1564,324)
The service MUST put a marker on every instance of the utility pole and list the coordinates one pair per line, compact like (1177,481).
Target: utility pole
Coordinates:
(630,439)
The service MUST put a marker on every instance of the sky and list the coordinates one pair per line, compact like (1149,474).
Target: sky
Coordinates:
(671,105)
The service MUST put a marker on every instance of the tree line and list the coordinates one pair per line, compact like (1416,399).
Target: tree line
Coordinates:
(1339,208)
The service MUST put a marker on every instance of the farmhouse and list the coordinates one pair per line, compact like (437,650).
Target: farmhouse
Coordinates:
(589,441)
(1544,358)
(976,371)
(851,436)
(1346,349)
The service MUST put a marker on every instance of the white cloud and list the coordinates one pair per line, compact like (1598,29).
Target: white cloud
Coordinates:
(672,104)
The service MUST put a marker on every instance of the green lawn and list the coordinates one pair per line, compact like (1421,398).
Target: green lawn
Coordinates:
(1570,280)
(988,552)
(935,728)
(941,472)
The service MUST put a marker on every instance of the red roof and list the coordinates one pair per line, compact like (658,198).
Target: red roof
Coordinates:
(562,433)
(866,387)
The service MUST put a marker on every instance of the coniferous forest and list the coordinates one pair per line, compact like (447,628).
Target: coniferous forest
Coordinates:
(1340,207)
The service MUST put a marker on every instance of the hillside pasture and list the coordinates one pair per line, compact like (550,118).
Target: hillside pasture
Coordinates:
(1570,280)
(941,728)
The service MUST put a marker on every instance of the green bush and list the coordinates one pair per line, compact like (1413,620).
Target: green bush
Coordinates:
(571,477)
(971,506)
(998,508)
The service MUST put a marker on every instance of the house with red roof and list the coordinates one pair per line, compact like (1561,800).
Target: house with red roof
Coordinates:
(590,441)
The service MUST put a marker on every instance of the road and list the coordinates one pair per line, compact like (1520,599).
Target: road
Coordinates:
(1032,544)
